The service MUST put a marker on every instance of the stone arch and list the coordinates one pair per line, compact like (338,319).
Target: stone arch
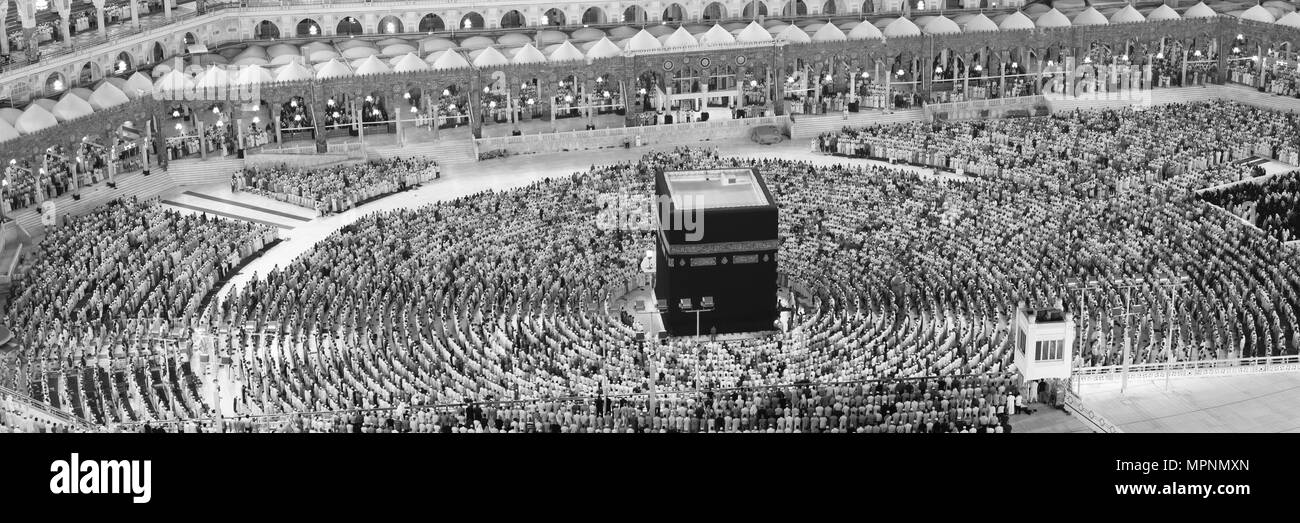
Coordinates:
(264,30)
(554,16)
(593,15)
(674,13)
(349,26)
(472,20)
(308,27)
(89,73)
(714,11)
(432,22)
(748,11)
(513,19)
(55,83)
(635,15)
(124,62)
(389,25)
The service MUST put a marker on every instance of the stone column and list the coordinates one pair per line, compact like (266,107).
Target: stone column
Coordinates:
(776,81)
(64,10)
(27,15)
(135,13)
(4,33)
(167,9)
(99,17)
(475,106)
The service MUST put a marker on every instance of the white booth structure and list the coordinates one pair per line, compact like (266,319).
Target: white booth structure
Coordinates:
(1044,341)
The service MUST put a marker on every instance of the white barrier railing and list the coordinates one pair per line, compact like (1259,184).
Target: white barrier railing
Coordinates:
(1093,419)
(1227,367)
(617,136)
(17,398)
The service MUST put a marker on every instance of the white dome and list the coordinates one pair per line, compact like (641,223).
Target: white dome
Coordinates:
(642,41)
(566,52)
(1291,19)
(477,42)
(717,35)
(942,25)
(1200,10)
(140,83)
(603,48)
(979,24)
(436,44)
(107,95)
(410,63)
(282,49)
(587,34)
(1091,16)
(1052,18)
(1127,15)
(372,65)
(1016,21)
(1258,14)
(865,32)
(528,55)
(794,35)
(398,49)
(681,38)
(333,69)
(35,119)
(901,27)
(357,53)
(72,107)
(7,132)
(293,72)
(253,74)
(829,33)
(450,59)
(490,57)
(514,39)
(753,33)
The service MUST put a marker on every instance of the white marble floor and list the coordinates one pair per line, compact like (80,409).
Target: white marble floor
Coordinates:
(1245,403)
(469,178)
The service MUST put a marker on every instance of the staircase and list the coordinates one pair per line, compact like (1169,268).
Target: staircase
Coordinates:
(306,161)
(1117,100)
(203,172)
(129,185)
(811,126)
(445,150)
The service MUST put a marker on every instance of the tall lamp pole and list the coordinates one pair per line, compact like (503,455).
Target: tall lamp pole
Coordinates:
(1128,310)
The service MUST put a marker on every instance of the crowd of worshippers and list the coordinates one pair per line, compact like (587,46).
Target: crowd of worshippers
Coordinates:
(503,294)
(1272,205)
(336,188)
(1095,151)
(498,294)
(29,185)
(940,405)
(17,418)
(128,259)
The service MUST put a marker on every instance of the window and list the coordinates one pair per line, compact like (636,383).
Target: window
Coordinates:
(1052,350)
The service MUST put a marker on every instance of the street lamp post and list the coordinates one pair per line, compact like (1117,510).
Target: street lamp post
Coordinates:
(1130,310)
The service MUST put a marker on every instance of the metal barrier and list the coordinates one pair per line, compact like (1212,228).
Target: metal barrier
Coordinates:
(616,136)
(44,408)
(1228,367)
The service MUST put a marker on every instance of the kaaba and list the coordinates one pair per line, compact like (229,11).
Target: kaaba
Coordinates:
(716,256)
